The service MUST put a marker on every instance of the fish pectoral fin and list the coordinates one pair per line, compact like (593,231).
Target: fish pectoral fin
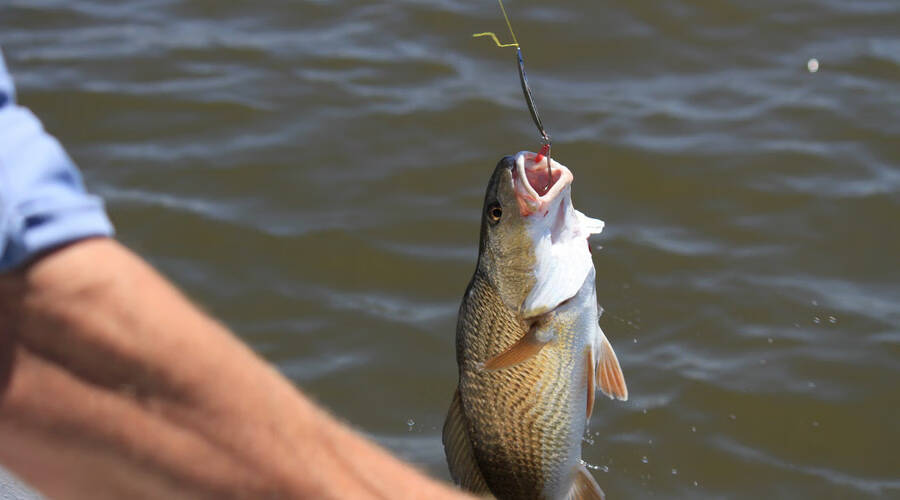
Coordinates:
(458,448)
(610,378)
(524,349)
(584,487)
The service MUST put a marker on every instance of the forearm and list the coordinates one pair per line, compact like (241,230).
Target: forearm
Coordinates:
(115,385)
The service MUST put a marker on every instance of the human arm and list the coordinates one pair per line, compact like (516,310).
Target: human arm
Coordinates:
(115,386)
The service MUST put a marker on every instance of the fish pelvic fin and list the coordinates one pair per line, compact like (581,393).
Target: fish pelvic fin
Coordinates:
(584,487)
(591,379)
(524,349)
(458,448)
(608,373)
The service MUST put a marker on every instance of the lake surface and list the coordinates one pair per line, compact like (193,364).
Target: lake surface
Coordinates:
(312,173)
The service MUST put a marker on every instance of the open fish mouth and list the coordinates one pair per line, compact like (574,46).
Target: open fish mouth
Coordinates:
(535,186)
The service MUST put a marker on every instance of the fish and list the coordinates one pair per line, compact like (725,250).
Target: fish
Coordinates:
(529,346)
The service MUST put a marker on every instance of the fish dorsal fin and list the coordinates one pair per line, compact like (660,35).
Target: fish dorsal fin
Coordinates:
(584,487)
(460,456)
(607,372)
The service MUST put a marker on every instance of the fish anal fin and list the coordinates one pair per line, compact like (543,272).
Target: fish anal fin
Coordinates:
(458,448)
(589,365)
(609,374)
(584,487)
(524,349)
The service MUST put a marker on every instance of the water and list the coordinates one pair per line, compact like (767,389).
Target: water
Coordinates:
(312,173)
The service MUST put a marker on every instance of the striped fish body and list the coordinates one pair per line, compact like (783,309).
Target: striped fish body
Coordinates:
(529,349)
(525,421)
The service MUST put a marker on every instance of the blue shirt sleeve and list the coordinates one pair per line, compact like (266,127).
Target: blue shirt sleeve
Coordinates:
(43,203)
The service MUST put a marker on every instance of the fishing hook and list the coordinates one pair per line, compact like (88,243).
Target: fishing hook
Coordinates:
(529,100)
(526,89)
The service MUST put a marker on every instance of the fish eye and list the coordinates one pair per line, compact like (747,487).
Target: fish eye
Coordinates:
(495,212)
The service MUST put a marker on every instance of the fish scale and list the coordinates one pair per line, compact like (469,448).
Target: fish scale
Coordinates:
(520,399)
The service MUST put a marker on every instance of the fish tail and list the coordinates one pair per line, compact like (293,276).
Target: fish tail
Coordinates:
(584,487)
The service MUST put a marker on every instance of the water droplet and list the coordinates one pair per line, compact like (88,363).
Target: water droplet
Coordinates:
(812,65)
(594,467)
(693,428)
(410,424)
(589,466)
(644,411)
(732,416)
(811,385)
(644,459)
(650,442)
(815,423)
(674,471)
(770,340)
(696,483)
(832,319)
(635,341)
(815,302)
(816,320)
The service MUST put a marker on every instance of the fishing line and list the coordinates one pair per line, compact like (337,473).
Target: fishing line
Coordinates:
(526,90)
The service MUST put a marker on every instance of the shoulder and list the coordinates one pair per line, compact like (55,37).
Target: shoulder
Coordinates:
(43,203)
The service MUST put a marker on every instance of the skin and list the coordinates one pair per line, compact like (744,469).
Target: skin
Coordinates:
(522,423)
(113,385)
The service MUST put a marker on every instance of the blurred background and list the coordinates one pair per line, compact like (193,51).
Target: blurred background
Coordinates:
(312,173)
